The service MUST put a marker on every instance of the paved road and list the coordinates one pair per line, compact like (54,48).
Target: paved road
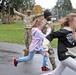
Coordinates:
(8,51)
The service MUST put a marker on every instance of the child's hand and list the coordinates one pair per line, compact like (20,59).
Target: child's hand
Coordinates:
(45,53)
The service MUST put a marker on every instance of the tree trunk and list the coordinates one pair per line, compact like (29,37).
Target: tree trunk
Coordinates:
(3,13)
(9,20)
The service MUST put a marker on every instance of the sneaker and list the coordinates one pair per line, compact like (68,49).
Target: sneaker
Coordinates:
(44,68)
(15,62)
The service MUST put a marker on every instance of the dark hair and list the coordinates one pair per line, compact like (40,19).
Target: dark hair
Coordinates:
(47,13)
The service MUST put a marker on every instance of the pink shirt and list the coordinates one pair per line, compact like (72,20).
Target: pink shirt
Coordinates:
(37,39)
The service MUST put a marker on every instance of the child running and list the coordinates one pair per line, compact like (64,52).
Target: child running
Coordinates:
(66,39)
(36,45)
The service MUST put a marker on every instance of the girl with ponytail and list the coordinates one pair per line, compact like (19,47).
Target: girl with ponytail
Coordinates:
(66,41)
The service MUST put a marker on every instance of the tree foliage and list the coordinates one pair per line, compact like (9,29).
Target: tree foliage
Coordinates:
(67,5)
(23,4)
(62,8)
(8,5)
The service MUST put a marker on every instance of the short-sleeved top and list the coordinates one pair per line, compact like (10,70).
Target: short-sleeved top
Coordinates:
(65,40)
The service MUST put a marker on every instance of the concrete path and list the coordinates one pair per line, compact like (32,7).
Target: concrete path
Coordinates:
(8,51)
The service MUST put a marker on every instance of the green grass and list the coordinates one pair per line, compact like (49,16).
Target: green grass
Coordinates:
(14,33)
(55,41)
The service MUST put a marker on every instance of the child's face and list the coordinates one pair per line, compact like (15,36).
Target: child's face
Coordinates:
(41,26)
(74,24)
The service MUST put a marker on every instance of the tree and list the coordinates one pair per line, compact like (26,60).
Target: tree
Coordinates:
(3,11)
(62,8)
(67,5)
(37,9)
(24,4)
(8,5)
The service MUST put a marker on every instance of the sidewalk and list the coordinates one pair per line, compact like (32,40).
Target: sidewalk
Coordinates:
(12,47)
(8,51)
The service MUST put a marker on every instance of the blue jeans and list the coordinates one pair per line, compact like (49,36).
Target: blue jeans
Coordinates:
(31,55)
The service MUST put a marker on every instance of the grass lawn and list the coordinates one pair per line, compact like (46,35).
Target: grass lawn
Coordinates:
(54,42)
(14,33)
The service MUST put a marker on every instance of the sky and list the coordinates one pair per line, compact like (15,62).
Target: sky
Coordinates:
(49,4)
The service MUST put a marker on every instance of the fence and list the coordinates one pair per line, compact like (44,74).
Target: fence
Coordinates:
(59,13)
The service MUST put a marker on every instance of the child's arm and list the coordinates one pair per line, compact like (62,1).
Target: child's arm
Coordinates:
(48,31)
(50,37)
(18,13)
(41,35)
(56,34)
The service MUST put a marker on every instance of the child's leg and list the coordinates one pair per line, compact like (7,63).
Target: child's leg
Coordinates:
(45,58)
(71,63)
(59,69)
(27,58)
(45,61)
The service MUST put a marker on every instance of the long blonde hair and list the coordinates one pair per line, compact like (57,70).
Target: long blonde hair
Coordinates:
(65,21)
